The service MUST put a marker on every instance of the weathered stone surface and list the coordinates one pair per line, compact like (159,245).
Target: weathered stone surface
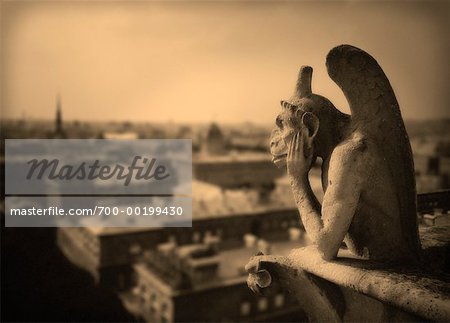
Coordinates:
(408,293)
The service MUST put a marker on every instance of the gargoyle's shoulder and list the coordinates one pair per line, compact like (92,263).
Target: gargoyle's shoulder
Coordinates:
(354,148)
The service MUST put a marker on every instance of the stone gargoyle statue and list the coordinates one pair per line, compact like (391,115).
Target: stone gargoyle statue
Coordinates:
(367,168)
(368,180)
(369,203)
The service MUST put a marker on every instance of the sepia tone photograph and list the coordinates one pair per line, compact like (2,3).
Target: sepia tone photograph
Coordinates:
(225,161)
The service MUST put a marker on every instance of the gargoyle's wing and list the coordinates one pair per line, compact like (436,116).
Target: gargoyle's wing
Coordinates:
(375,110)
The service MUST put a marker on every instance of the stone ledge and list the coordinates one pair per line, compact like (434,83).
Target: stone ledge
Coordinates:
(412,291)
(415,291)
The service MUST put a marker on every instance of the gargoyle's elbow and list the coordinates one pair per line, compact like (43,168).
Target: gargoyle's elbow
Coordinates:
(328,255)
(326,249)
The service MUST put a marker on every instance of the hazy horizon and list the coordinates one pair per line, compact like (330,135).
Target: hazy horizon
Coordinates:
(199,62)
(188,123)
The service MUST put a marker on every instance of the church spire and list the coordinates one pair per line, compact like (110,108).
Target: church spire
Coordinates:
(59,131)
(58,121)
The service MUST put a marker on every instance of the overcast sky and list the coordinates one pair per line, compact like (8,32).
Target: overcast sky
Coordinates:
(211,61)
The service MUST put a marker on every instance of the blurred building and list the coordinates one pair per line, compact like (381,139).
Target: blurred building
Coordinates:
(192,274)
(214,142)
(234,169)
(109,253)
(239,170)
(431,164)
(198,283)
(433,208)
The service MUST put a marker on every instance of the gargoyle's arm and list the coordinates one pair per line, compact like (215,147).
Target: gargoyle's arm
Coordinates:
(328,224)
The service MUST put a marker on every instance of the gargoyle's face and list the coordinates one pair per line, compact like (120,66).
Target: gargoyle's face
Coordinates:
(286,126)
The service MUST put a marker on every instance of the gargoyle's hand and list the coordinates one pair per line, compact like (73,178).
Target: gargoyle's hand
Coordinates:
(257,278)
(300,155)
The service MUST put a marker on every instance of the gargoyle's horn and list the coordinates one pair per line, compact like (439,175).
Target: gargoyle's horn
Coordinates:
(304,81)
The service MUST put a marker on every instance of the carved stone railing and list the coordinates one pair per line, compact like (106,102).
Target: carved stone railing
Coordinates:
(351,289)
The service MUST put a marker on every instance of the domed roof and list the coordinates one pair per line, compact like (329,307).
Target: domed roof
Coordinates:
(214,131)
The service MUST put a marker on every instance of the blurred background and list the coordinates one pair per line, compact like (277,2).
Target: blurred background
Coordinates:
(213,72)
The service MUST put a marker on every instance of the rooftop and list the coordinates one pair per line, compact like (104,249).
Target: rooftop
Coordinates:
(231,267)
(210,201)
(233,157)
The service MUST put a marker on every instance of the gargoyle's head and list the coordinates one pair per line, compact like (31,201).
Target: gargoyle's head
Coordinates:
(302,113)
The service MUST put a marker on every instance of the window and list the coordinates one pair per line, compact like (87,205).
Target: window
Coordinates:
(263,304)
(196,237)
(135,249)
(246,308)
(278,300)
(172,239)
(165,314)
(153,307)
